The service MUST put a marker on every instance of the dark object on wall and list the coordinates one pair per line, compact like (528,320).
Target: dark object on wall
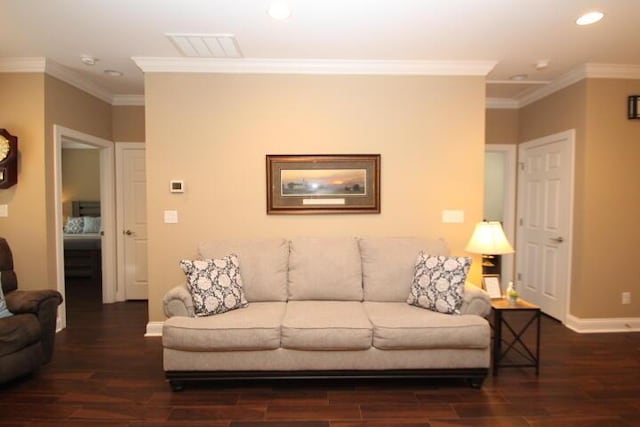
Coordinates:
(27,337)
(634,107)
(8,159)
(313,184)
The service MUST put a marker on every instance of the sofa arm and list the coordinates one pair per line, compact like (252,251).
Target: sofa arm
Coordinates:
(178,302)
(476,301)
(44,305)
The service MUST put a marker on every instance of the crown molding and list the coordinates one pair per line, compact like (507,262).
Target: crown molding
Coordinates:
(612,71)
(77,80)
(502,103)
(128,100)
(584,71)
(313,66)
(22,65)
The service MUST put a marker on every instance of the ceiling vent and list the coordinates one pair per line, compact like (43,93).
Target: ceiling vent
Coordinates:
(206,45)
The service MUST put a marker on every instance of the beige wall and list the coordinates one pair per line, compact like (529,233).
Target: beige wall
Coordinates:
(80,177)
(611,206)
(606,207)
(214,131)
(128,123)
(501,126)
(22,114)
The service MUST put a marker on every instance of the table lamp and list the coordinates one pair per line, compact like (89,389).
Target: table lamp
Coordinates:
(488,238)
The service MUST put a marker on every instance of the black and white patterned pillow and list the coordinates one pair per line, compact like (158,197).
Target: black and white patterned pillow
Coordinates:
(215,285)
(74,225)
(438,283)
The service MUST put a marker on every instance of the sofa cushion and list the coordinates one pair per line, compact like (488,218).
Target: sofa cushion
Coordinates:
(18,332)
(388,265)
(263,265)
(397,325)
(215,284)
(438,283)
(325,269)
(326,325)
(256,327)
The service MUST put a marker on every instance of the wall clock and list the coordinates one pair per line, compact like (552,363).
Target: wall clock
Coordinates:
(8,159)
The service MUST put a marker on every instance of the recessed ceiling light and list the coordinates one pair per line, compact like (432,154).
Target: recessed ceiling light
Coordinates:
(279,10)
(590,18)
(88,60)
(519,77)
(113,73)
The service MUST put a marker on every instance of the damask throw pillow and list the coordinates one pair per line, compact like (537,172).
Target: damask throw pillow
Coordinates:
(74,225)
(4,311)
(91,224)
(438,283)
(215,285)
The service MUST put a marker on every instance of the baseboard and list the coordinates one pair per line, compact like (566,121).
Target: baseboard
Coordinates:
(592,326)
(154,329)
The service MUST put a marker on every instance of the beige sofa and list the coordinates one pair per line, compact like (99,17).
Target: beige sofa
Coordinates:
(325,307)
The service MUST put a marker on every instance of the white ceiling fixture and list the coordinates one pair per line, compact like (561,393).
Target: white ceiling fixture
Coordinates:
(206,45)
(279,10)
(114,73)
(590,18)
(88,60)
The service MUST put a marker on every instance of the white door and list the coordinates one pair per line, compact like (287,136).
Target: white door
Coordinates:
(134,223)
(545,209)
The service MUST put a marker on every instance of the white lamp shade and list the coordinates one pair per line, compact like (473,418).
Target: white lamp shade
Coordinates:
(489,238)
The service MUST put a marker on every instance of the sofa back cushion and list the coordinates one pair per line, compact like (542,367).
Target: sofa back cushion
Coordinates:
(388,265)
(263,265)
(325,269)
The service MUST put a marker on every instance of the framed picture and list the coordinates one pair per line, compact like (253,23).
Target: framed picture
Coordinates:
(312,184)
(491,284)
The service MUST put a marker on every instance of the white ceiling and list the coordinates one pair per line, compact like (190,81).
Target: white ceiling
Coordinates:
(513,33)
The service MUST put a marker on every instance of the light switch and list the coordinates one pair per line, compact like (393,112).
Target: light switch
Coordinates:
(452,216)
(170,217)
(4,210)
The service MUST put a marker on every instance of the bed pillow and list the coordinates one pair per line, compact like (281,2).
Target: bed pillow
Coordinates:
(215,285)
(4,311)
(438,283)
(74,225)
(91,224)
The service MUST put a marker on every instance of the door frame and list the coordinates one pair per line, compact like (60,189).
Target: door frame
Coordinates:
(507,270)
(121,147)
(107,212)
(570,136)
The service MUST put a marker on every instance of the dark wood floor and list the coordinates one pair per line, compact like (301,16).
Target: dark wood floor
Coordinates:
(105,372)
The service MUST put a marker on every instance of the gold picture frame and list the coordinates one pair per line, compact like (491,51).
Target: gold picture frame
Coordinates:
(323,184)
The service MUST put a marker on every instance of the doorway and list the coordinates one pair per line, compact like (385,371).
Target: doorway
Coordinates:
(500,197)
(107,213)
(545,229)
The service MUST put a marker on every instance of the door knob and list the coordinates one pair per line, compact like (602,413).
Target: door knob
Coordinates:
(129,233)
(558,239)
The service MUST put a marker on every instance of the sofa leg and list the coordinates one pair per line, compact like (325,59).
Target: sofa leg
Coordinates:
(476,382)
(176,385)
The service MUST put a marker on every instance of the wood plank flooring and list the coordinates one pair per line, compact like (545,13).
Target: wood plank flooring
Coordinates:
(105,372)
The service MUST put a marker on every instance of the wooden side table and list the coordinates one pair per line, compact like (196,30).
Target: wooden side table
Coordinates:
(501,308)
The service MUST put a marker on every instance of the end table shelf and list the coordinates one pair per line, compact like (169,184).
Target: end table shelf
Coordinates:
(501,308)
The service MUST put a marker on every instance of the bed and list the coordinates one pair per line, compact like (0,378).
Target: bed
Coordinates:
(83,241)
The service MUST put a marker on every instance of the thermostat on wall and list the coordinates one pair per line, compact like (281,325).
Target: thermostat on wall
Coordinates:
(176,186)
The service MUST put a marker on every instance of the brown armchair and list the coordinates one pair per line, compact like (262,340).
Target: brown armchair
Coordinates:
(27,337)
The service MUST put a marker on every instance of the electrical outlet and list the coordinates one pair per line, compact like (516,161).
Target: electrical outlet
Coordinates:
(626,297)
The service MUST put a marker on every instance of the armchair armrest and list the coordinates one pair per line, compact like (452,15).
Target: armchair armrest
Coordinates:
(44,305)
(178,302)
(476,301)
(20,302)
